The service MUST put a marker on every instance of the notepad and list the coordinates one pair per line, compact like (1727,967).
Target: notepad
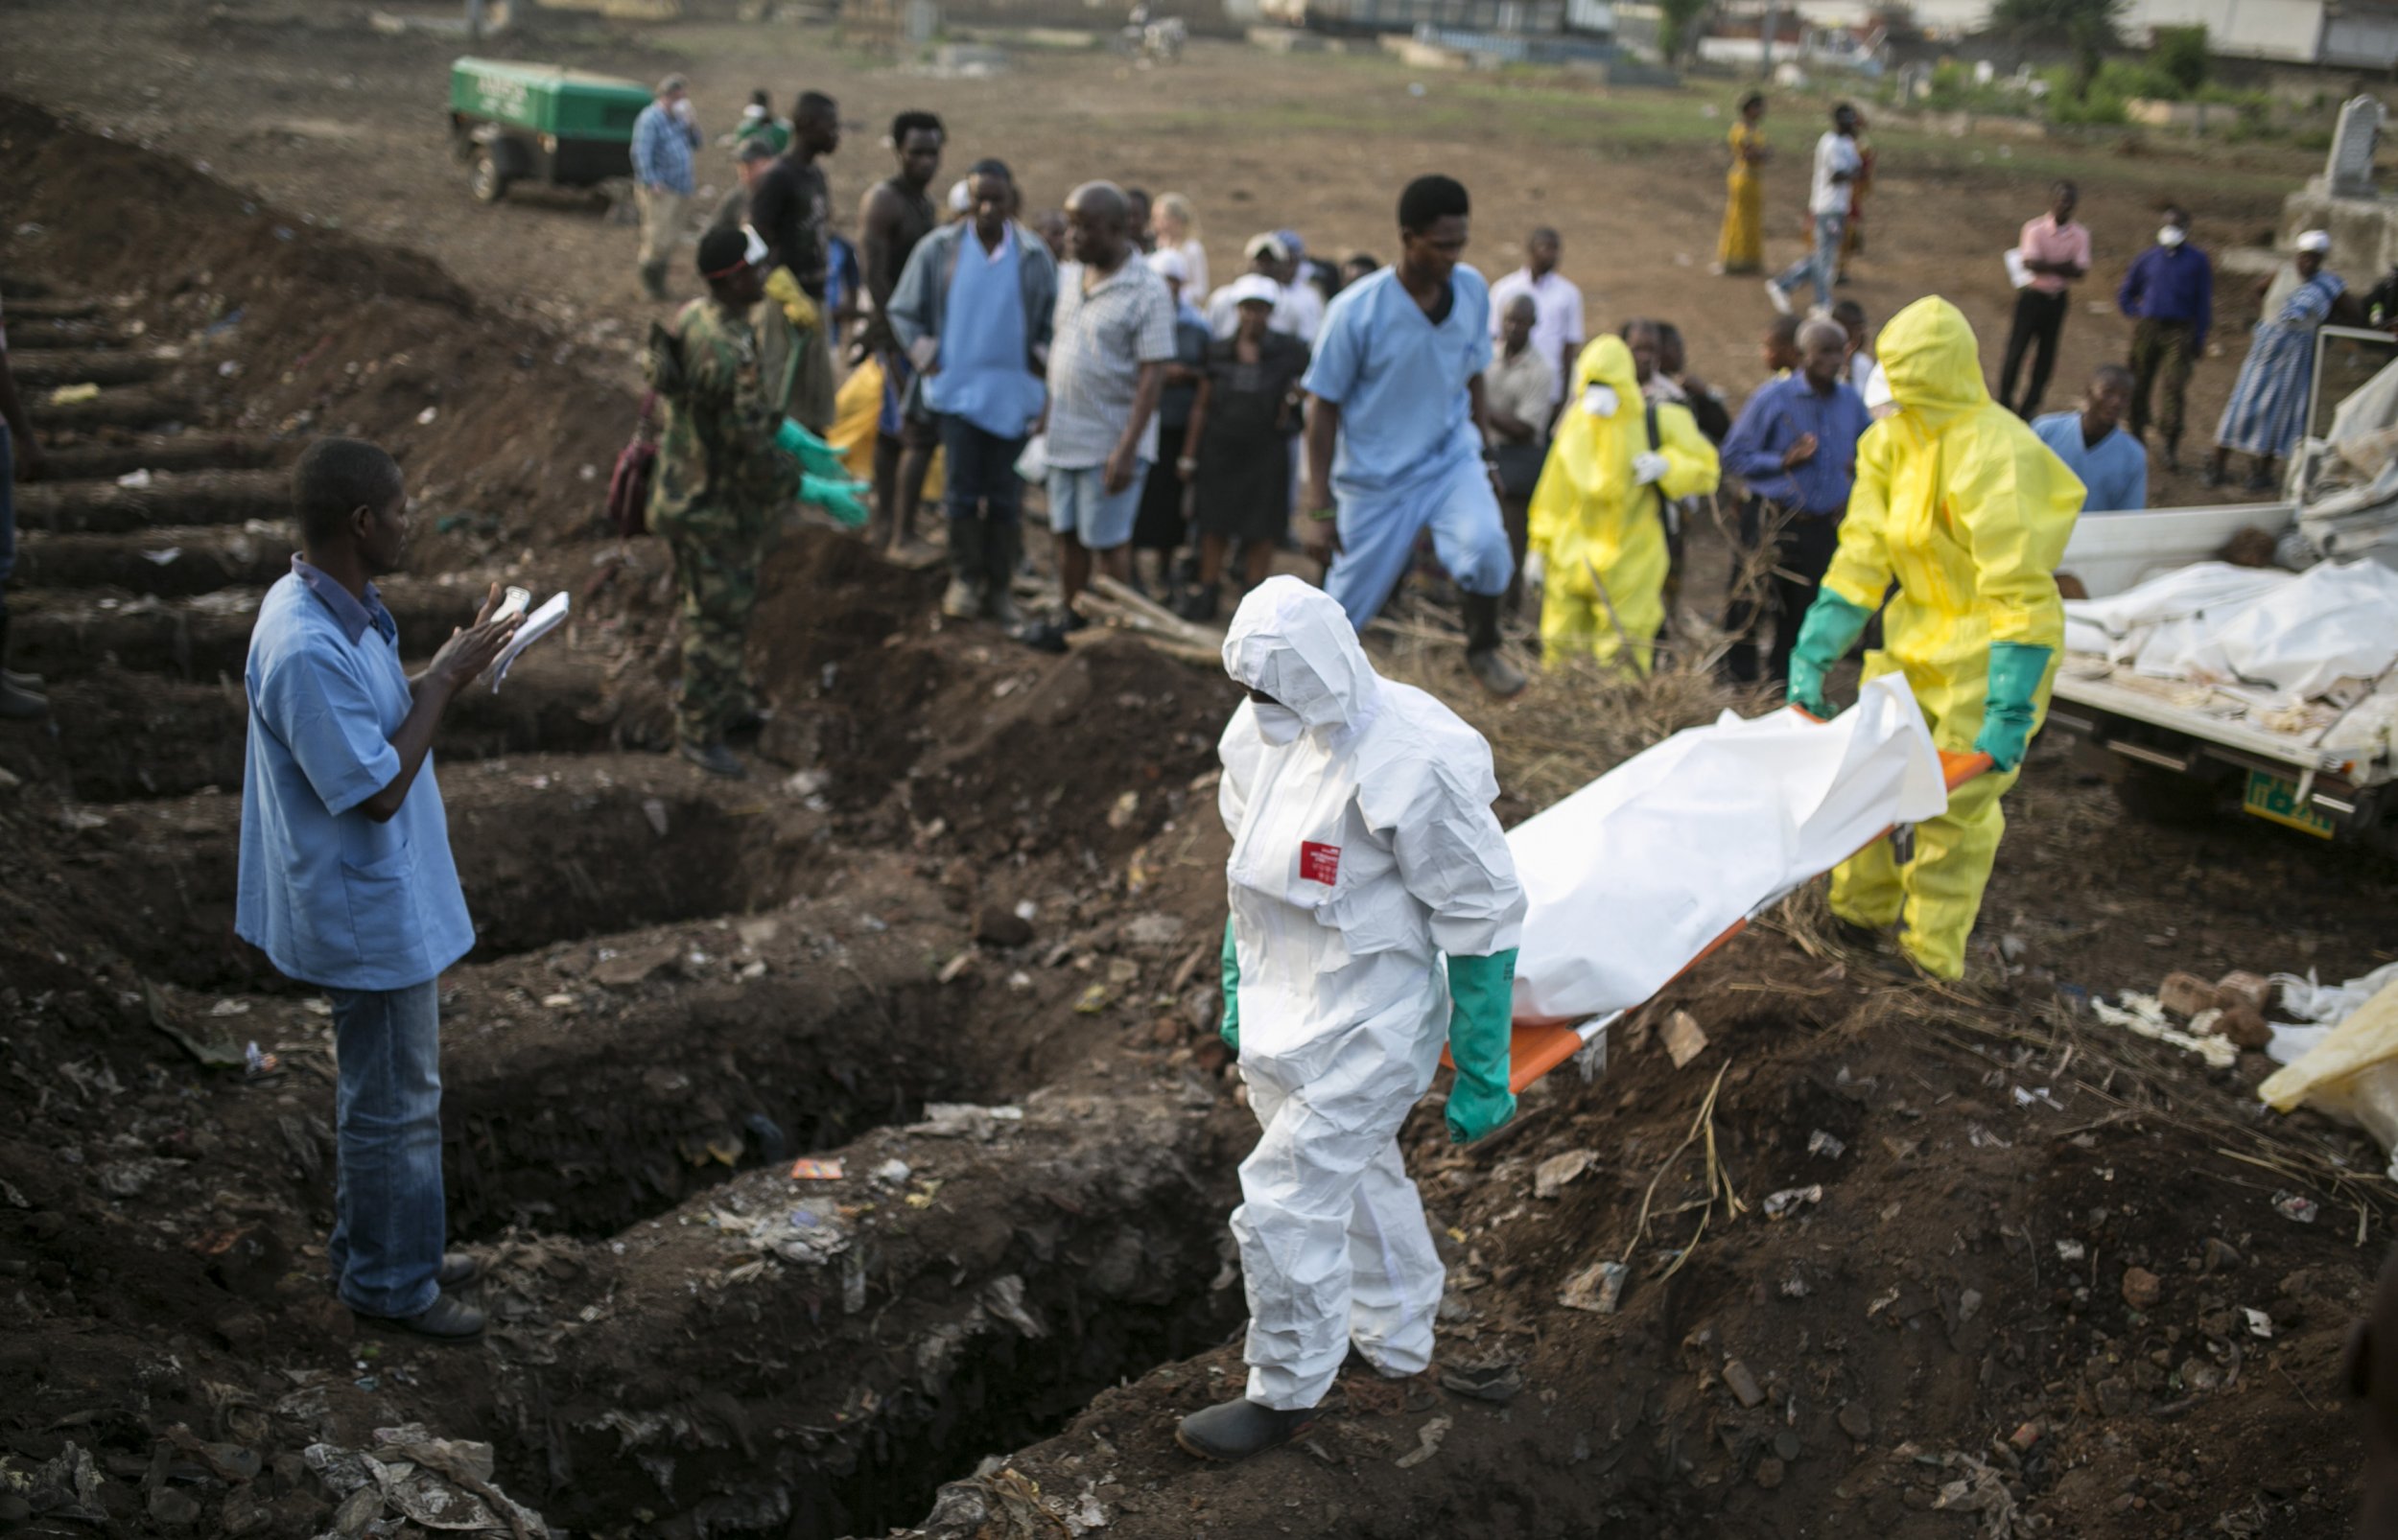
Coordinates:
(538,624)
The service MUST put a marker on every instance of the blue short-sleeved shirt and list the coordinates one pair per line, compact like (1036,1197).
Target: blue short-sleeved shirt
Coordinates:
(1401,381)
(2115,469)
(332,896)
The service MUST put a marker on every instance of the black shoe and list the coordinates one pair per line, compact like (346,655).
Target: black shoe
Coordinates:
(2213,476)
(713,757)
(2258,481)
(746,727)
(1200,604)
(457,1269)
(1236,1430)
(653,279)
(447,1319)
(1485,656)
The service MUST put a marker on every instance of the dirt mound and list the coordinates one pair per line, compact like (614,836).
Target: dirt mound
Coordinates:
(496,422)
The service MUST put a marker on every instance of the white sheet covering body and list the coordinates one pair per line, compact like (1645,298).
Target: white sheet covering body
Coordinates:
(1632,877)
(2295,634)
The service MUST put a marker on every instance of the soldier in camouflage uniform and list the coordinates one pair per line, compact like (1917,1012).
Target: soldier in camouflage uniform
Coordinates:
(722,487)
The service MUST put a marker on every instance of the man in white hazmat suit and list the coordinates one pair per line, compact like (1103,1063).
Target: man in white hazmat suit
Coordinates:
(1364,850)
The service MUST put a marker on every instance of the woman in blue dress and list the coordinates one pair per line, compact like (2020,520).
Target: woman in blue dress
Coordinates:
(2267,413)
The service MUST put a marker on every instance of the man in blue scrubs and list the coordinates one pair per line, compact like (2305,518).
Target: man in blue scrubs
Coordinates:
(2093,445)
(346,880)
(1396,383)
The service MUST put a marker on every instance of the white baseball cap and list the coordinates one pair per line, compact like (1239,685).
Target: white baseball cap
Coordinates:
(1255,286)
(2314,241)
(1170,263)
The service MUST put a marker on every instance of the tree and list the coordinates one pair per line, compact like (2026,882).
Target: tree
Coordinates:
(1676,27)
(2182,53)
(2087,26)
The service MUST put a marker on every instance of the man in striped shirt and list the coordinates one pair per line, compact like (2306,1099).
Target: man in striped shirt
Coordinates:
(663,137)
(1114,336)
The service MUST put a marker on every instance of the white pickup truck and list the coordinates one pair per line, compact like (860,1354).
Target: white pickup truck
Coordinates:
(2183,751)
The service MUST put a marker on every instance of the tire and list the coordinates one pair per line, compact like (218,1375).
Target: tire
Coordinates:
(2167,798)
(490,183)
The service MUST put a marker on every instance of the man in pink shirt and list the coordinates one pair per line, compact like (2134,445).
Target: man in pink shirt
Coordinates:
(2054,251)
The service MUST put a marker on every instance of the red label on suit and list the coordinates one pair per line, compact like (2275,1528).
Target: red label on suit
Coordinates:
(1320,863)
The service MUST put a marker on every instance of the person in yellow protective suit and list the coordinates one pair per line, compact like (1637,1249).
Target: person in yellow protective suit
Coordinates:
(1961,504)
(1597,550)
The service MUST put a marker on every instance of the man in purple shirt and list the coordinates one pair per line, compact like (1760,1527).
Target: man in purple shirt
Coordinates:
(2169,293)
(1795,447)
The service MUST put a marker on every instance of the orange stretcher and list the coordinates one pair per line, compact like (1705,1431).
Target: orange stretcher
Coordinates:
(1539,1044)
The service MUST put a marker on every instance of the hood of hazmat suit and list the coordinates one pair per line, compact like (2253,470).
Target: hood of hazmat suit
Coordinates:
(1592,523)
(1362,851)
(1961,504)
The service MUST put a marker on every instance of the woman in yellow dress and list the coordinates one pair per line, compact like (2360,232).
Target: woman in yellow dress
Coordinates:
(1743,246)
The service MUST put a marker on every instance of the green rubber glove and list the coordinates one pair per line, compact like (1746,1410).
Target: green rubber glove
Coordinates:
(1482,1008)
(815,456)
(838,497)
(1230,1027)
(2017,669)
(1831,628)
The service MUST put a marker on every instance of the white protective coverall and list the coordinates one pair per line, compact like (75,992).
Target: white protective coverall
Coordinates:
(1362,850)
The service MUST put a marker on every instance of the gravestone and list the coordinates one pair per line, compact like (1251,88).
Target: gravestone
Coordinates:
(2349,172)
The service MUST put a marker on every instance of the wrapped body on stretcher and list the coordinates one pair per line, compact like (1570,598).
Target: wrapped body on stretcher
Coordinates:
(1657,863)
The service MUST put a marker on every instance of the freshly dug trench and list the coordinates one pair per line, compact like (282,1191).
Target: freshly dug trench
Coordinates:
(193,498)
(196,451)
(631,1108)
(125,736)
(813,1359)
(205,636)
(173,562)
(546,850)
(126,407)
(56,366)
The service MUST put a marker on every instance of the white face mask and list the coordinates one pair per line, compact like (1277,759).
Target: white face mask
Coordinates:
(1599,400)
(1278,724)
(2172,235)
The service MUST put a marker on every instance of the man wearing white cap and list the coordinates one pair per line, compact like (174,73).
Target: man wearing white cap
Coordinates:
(1269,258)
(2268,410)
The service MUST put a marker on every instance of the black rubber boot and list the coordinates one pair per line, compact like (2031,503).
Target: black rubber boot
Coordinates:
(1484,656)
(1200,604)
(653,279)
(1003,547)
(447,1319)
(969,561)
(713,757)
(1236,1430)
(20,699)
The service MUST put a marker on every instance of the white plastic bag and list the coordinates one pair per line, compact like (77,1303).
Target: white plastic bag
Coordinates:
(1630,878)
(1033,464)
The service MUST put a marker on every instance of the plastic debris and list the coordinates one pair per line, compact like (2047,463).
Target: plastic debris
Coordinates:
(409,1475)
(807,1168)
(1683,1039)
(2295,1206)
(1427,1442)
(2260,1324)
(1783,1204)
(1825,1144)
(2144,1016)
(1598,1288)
(893,1171)
(68,395)
(1554,1173)
(136,479)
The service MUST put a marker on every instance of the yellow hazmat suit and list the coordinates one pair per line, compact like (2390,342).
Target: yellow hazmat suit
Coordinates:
(1600,534)
(1969,512)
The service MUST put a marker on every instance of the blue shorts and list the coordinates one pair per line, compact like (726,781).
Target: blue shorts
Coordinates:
(1079,506)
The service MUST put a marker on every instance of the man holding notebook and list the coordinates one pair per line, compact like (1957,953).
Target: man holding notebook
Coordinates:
(346,877)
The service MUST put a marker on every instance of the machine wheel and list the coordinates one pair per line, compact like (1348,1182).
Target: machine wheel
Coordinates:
(2159,796)
(490,183)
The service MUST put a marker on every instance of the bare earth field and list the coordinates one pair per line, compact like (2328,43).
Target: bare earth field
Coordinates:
(986,1324)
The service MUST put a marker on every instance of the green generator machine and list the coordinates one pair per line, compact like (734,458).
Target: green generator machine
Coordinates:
(541,123)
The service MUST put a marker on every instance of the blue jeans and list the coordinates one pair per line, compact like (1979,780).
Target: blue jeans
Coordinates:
(981,470)
(1822,264)
(389,1219)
